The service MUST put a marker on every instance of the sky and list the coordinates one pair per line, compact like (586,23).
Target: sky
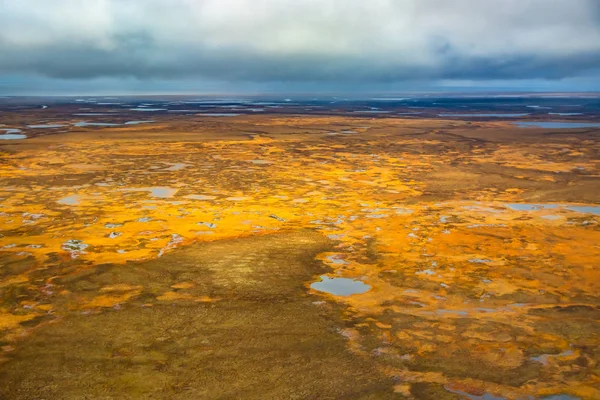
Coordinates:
(303,46)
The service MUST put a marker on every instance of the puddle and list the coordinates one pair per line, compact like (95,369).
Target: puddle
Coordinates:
(84,123)
(138,122)
(220,114)
(11,134)
(75,247)
(10,130)
(425,272)
(340,286)
(473,226)
(43,126)
(155,191)
(175,240)
(90,114)
(33,217)
(530,206)
(585,209)
(499,115)
(565,114)
(451,312)
(557,125)
(199,197)
(261,162)
(536,207)
(71,200)
(148,109)
(177,167)
(336,260)
(544,359)
(479,260)
(376,216)
(482,209)
(162,191)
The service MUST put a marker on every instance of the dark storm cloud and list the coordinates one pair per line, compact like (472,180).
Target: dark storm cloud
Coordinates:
(329,41)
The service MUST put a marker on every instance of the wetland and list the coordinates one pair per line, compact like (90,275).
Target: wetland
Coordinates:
(297,254)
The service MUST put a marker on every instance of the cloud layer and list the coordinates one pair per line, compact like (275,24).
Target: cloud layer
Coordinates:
(330,41)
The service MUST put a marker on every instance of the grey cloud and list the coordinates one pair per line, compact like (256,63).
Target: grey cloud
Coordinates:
(301,40)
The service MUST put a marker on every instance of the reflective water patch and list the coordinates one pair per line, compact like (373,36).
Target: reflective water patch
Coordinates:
(340,286)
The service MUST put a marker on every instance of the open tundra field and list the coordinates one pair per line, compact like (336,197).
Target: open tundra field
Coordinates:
(183,249)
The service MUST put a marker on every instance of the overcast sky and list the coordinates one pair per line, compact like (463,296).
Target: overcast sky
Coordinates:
(228,46)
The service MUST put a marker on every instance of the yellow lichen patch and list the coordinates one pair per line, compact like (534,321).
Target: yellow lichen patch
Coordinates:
(514,190)
(205,299)
(121,287)
(174,296)
(183,285)
(12,321)
(466,289)
(111,300)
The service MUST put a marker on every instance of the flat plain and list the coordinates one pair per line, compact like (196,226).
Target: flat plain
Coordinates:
(183,248)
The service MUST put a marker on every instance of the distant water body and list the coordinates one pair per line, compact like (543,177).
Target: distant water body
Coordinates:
(498,115)
(557,125)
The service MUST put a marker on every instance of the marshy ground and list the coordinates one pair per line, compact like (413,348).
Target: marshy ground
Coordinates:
(178,259)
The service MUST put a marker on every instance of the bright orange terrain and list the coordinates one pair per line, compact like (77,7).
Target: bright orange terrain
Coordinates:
(469,293)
